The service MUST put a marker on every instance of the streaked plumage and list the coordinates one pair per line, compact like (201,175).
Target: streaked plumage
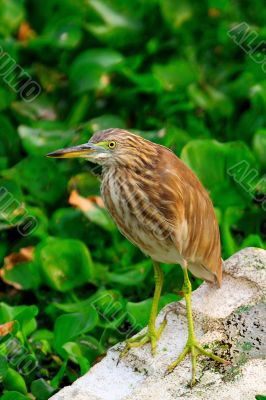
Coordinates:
(160,205)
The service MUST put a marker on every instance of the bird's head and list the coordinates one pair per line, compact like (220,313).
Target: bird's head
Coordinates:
(109,147)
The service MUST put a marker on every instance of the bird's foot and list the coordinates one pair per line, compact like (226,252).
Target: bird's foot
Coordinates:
(151,336)
(195,349)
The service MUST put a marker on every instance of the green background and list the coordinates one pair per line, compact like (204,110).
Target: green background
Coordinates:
(166,69)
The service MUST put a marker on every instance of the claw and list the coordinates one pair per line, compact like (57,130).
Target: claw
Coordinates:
(195,349)
(141,340)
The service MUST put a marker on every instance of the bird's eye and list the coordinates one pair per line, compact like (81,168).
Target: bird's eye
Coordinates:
(112,144)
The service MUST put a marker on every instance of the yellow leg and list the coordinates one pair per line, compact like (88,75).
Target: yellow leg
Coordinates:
(192,345)
(151,335)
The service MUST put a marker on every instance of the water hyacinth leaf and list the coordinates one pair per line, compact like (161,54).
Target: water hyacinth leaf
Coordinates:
(222,167)
(6,98)
(13,395)
(259,145)
(42,174)
(91,77)
(9,139)
(65,33)
(176,75)
(90,69)
(90,347)
(115,27)
(110,15)
(19,270)
(41,108)
(253,241)
(74,353)
(69,326)
(132,276)
(40,141)
(211,100)
(42,389)
(3,367)
(230,218)
(11,207)
(64,263)
(93,209)
(12,14)
(104,122)
(105,58)
(110,306)
(34,227)
(15,382)
(176,12)
(69,223)
(42,334)
(25,315)
(138,313)
(85,184)
(23,276)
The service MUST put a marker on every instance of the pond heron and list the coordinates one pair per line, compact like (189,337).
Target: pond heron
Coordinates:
(161,207)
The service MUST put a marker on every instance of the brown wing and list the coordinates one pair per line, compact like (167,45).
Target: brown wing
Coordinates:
(186,203)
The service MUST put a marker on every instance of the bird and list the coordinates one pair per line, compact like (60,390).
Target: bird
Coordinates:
(159,205)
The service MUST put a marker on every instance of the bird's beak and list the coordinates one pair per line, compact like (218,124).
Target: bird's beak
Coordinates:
(82,151)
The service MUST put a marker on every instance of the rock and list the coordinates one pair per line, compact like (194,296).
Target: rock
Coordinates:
(231,321)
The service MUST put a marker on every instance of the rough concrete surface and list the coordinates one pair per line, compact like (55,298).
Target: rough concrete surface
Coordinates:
(230,320)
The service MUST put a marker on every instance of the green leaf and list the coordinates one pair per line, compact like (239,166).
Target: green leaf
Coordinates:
(253,241)
(112,25)
(89,70)
(25,315)
(259,145)
(14,381)
(9,139)
(104,122)
(40,177)
(110,306)
(138,313)
(230,217)
(65,33)
(41,389)
(65,263)
(13,395)
(223,168)
(85,184)
(90,347)
(3,367)
(24,276)
(133,276)
(69,223)
(74,307)
(100,216)
(12,14)
(70,326)
(105,58)
(176,12)
(11,198)
(176,75)
(74,352)
(40,141)
(6,98)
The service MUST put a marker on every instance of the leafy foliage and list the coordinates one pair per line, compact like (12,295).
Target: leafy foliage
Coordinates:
(71,285)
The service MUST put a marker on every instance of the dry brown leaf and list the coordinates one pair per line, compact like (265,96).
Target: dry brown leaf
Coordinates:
(25,254)
(6,328)
(84,203)
(25,32)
